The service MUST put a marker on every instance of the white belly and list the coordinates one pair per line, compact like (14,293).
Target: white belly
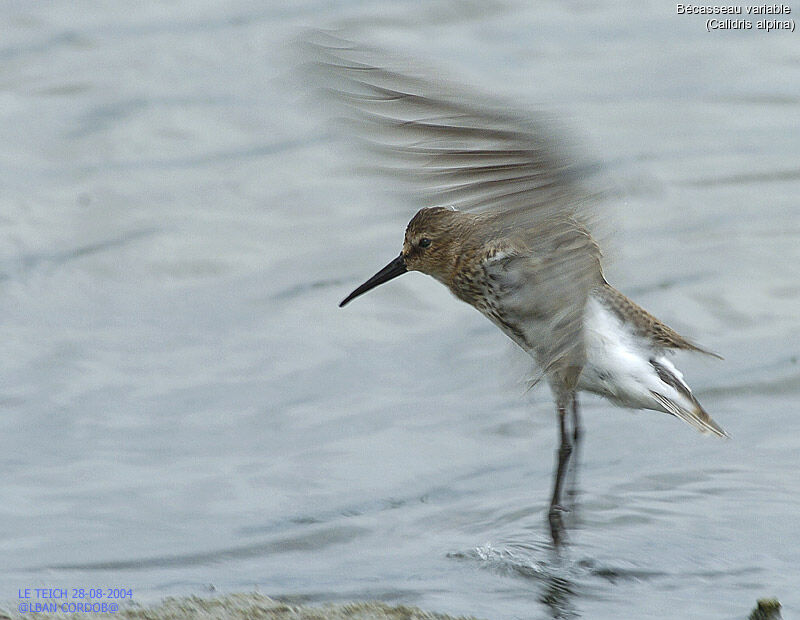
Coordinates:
(618,362)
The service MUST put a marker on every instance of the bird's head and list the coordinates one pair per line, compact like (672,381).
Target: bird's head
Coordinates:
(431,246)
(432,241)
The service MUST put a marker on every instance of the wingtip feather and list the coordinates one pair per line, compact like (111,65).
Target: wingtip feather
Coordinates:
(698,418)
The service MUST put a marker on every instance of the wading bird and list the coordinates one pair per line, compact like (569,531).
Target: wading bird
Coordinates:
(507,231)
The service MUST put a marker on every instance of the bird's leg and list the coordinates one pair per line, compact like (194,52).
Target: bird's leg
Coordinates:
(563,454)
(577,433)
(577,429)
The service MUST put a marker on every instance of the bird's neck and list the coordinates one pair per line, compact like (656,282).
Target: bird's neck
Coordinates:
(465,278)
(459,265)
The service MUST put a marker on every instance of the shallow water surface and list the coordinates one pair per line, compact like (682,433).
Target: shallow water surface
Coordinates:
(186,410)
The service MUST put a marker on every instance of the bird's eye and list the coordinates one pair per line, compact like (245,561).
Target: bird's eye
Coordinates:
(424,242)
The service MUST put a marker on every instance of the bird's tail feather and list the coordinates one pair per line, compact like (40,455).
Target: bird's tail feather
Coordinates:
(698,418)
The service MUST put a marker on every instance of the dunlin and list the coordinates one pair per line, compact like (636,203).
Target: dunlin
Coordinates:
(508,233)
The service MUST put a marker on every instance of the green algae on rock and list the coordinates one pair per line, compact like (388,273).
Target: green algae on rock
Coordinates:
(252,606)
(766,609)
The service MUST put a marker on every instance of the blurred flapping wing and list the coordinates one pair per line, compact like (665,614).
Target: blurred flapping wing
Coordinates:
(458,149)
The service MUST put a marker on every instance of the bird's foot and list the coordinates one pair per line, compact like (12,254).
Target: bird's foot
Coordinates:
(557,531)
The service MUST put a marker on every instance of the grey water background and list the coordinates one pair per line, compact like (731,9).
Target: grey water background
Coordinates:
(185,409)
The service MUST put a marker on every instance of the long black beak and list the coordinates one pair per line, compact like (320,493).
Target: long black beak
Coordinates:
(396,268)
